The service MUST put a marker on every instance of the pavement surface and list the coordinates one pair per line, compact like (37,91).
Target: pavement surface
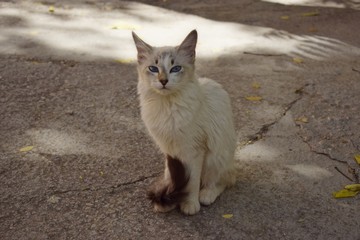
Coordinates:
(75,158)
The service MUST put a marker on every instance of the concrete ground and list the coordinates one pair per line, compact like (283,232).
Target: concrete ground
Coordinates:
(68,93)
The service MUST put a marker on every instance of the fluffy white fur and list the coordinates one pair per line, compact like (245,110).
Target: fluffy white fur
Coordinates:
(189,118)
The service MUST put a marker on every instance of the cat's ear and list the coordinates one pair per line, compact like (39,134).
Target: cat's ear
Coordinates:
(143,49)
(187,47)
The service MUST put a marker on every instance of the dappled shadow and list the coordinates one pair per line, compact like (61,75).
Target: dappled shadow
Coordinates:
(354,4)
(315,47)
(91,159)
(277,156)
(86,32)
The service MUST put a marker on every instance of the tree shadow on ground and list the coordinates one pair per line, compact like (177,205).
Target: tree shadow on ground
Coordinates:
(103,30)
(87,175)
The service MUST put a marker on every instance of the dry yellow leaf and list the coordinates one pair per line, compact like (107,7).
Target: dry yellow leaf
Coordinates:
(53,199)
(256,85)
(216,50)
(125,60)
(353,187)
(302,119)
(284,17)
(34,33)
(51,9)
(254,98)
(297,60)
(344,193)
(301,220)
(227,216)
(125,26)
(313,29)
(357,158)
(26,149)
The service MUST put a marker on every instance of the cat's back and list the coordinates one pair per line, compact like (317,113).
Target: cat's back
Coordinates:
(214,91)
(217,117)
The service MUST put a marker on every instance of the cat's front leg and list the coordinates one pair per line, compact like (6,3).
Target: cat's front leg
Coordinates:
(191,204)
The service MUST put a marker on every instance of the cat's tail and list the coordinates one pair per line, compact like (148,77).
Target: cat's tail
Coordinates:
(170,193)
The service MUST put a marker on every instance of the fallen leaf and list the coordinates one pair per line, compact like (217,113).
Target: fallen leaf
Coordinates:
(299,91)
(53,199)
(310,14)
(125,26)
(256,85)
(313,29)
(51,9)
(101,173)
(301,220)
(227,216)
(357,158)
(353,187)
(345,193)
(33,33)
(302,119)
(297,60)
(216,50)
(285,17)
(26,149)
(254,98)
(125,60)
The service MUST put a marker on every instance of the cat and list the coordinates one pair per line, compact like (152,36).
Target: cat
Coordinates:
(190,119)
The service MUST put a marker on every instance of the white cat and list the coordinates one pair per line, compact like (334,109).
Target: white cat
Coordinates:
(190,119)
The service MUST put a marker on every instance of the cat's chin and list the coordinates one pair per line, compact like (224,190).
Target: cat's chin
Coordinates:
(164,91)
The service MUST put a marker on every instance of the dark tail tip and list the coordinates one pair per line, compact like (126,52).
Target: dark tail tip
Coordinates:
(166,193)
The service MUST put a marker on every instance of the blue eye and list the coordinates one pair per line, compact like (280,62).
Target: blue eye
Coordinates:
(175,69)
(153,69)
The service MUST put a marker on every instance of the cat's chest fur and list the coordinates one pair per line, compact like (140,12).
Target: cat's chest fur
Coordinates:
(171,120)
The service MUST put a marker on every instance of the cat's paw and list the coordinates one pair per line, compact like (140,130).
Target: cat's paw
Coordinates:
(190,207)
(207,196)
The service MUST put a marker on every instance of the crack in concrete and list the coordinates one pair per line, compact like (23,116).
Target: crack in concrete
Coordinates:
(111,188)
(320,153)
(49,60)
(265,128)
(353,169)
(251,139)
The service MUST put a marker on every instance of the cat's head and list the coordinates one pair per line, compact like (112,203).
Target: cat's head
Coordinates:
(166,69)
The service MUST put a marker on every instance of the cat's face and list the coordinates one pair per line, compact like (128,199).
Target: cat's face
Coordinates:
(166,69)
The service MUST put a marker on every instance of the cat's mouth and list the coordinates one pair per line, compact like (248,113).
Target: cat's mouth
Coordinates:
(164,90)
